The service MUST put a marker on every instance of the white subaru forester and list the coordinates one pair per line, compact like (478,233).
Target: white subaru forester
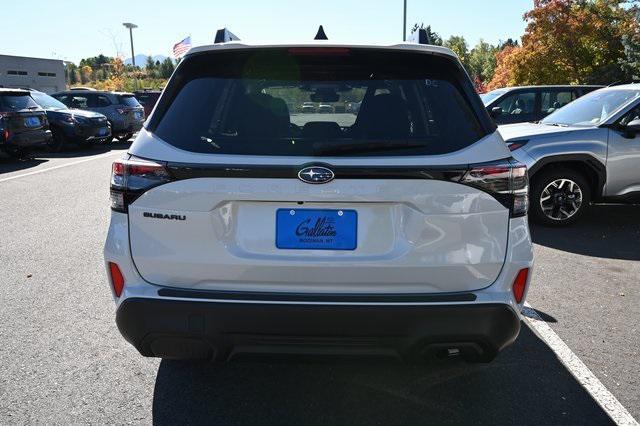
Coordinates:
(243,223)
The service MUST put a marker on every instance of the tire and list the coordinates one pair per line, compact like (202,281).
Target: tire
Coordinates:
(559,196)
(125,138)
(57,142)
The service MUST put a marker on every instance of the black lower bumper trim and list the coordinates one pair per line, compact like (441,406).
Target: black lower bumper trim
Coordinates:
(311,297)
(224,330)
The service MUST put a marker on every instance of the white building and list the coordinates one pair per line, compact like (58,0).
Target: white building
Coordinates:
(46,75)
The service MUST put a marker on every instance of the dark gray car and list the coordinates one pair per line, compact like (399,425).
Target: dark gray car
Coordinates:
(123,111)
(530,103)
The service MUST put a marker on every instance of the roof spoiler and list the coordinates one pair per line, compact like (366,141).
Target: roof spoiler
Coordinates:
(421,36)
(224,35)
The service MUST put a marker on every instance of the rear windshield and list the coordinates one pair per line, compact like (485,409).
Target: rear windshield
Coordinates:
(300,102)
(128,100)
(16,102)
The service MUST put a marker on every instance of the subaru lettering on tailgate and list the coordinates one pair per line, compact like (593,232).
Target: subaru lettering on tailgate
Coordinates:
(314,229)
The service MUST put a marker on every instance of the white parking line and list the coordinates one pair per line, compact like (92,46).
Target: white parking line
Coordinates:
(580,371)
(97,157)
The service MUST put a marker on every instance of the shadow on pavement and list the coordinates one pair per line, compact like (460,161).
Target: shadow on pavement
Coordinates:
(526,384)
(609,231)
(72,152)
(8,165)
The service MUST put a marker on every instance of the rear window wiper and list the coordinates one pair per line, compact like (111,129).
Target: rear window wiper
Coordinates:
(364,147)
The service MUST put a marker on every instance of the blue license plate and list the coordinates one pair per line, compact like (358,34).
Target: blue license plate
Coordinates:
(103,131)
(32,122)
(316,229)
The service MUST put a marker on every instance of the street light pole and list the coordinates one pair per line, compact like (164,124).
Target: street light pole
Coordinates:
(404,22)
(131,27)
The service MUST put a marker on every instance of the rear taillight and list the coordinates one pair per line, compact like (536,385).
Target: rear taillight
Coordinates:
(520,285)
(506,180)
(117,280)
(131,178)
(6,135)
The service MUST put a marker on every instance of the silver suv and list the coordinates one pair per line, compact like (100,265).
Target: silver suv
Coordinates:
(586,152)
(123,111)
(240,225)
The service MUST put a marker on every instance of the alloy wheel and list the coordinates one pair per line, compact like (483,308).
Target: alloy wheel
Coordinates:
(561,199)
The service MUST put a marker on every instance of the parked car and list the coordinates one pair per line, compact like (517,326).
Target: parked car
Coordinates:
(23,124)
(148,99)
(308,107)
(353,107)
(530,103)
(71,126)
(401,231)
(325,108)
(124,114)
(586,152)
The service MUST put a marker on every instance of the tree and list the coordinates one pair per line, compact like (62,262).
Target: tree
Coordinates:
(433,36)
(459,45)
(481,61)
(506,61)
(166,68)
(630,63)
(85,74)
(96,62)
(570,41)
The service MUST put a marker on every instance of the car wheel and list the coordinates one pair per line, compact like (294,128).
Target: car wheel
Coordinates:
(559,197)
(125,138)
(57,142)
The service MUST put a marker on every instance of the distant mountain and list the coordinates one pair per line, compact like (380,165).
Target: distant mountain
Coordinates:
(142,59)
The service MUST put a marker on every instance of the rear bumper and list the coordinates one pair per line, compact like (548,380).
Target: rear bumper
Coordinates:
(28,139)
(122,127)
(187,329)
(87,133)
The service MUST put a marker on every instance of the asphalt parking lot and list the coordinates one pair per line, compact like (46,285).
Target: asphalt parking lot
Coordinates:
(63,360)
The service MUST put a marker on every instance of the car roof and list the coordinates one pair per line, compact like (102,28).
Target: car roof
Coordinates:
(549,86)
(93,92)
(630,86)
(4,90)
(404,46)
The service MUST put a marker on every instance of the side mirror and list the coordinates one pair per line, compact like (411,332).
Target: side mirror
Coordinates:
(495,112)
(633,127)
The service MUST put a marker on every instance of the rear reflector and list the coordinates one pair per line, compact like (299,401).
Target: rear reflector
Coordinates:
(117,280)
(520,285)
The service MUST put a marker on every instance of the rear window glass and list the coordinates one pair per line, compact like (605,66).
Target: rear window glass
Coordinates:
(128,100)
(16,102)
(298,102)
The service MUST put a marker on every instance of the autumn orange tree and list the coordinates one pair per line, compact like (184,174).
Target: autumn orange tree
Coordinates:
(570,41)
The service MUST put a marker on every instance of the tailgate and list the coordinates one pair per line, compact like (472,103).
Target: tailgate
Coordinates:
(411,235)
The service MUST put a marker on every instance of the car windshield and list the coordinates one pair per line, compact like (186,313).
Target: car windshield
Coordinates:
(47,102)
(283,103)
(16,102)
(128,100)
(592,109)
(488,97)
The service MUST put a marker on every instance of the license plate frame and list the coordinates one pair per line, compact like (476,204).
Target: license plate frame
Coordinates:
(316,229)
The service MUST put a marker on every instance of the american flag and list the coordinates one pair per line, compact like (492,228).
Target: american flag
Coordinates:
(180,48)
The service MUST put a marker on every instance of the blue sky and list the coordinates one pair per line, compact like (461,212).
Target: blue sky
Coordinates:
(73,30)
